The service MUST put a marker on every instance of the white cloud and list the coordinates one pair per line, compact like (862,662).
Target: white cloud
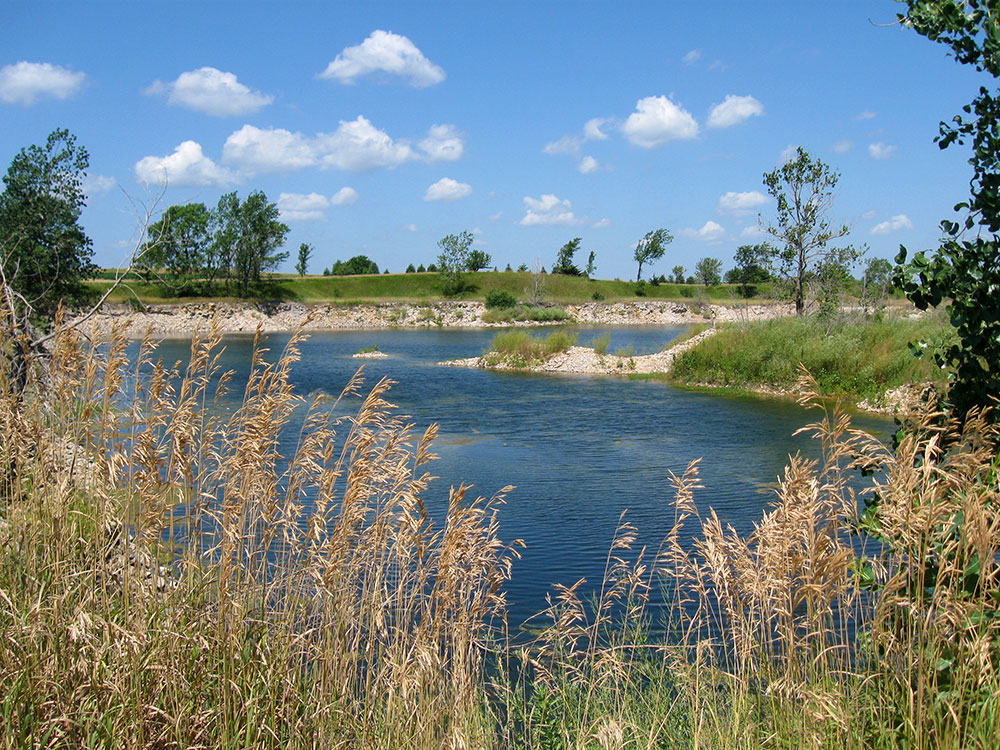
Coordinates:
(410,227)
(213,92)
(657,121)
(592,129)
(299,207)
(257,151)
(867,115)
(709,233)
(547,211)
(24,82)
(358,145)
(344,197)
(741,204)
(95,184)
(842,147)
(384,52)
(789,153)
(752,232)
(447,189)
(496,216)
(588,164)
(880,150)
(566,145)
(186,166)
(601,223)
(691,57)
(897,222)
(734,110)
(443,143)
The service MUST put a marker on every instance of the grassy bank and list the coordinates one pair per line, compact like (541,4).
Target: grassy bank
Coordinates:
(856,360)
(519,349)
(165,583)
(426,287)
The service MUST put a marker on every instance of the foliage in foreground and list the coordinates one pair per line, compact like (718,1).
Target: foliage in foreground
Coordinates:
(856,359)
(167,580)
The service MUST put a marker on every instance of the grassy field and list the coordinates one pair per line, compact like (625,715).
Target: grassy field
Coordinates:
(426,287)
(857,359)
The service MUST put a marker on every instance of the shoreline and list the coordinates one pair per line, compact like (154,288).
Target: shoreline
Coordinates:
(183,319)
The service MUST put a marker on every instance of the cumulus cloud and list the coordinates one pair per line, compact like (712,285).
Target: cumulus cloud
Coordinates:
(741,204)
(710,233)
(691,57)
(213,92)
(657,121)
(384,52)
(95,184)
(547,211)
(592,129)
(258,151)
(588,164)
(443,143)
(299,207)
(842,147)
(880,150)
(447,189)
(186,166)
(24,82)
(897,222)
(358,145)
(344,197)
(734,110)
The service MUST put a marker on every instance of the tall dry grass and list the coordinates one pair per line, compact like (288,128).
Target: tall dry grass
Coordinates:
(165,584)
(170,579)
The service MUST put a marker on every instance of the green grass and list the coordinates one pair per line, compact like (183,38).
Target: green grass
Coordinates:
(855,360)
(426,287)
(520,349)
(522,313)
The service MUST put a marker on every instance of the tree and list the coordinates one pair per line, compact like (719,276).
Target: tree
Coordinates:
(591,265)
(752,267)
(875,283)
(651,248)
(44,252)
(707,271)
(305,251)
(964,271)
(564,259)
(477,260)
(453,259)
(803,189)
(410,269)
(176,247)
(678,274)
(359,265)
(247,238)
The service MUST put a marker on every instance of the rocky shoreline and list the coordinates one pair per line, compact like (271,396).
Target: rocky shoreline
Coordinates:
(183,319)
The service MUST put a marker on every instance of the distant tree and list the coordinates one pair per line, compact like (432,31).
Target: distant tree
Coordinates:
(753,263)
(651,248)
(177,247)
(385,272)
(564,259)
(326,271)
(478,260)
(591,265)
(507,268)
(678,274)
(305,250)
(359,265)
(453,259)
(707,271)
(421,269)
(44,253)
(248,236)
(875,284)
(432,268)
(411,269)
(804,189)
(831,278)
(523,268)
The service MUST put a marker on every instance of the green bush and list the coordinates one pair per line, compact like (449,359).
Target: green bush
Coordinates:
(597,297)
(500,299)
(521,349)
(525,313)
(600,343)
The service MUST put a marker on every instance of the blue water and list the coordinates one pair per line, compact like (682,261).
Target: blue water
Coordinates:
(579,449)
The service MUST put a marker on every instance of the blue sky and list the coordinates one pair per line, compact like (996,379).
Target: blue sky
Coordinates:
(381,127)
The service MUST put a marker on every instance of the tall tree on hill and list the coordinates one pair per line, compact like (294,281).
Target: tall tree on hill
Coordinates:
(564,259)
(44,252)
(651,248)
(248,236)
(176,247)
(803,188)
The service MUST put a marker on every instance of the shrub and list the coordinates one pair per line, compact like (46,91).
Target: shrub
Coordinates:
(525,313)
(640,288)
(600,343)
(597,297)
(500,299)
(521,349)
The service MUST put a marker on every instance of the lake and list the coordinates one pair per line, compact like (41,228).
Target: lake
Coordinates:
(579,449)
